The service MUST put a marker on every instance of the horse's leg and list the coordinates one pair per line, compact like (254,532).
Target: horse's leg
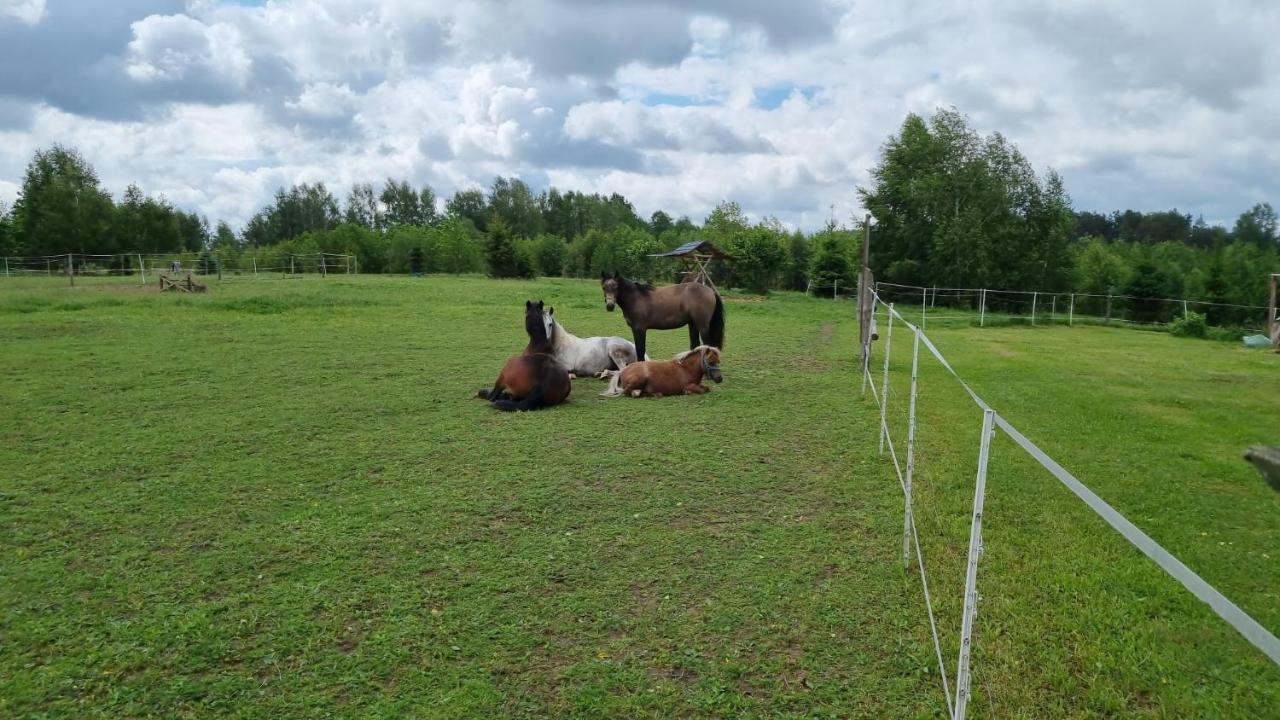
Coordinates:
(493,394)
(639,336)
(693,334)
(696,389)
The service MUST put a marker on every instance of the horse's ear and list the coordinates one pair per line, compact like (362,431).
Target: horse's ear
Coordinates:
(527,304)
(539,304)
(604,275)
(551,311)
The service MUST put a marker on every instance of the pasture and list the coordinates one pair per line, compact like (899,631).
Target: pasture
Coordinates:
(280,499)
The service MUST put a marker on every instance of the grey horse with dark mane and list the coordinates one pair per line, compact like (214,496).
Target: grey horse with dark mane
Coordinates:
(646,307)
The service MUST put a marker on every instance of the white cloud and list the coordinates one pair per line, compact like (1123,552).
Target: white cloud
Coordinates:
(677,105)
(174,47)
(27,11)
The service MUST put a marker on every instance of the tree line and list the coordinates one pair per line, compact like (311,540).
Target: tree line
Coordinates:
(951,207)
(507,230)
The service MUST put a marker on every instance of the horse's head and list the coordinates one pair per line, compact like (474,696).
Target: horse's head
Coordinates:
(711,363)
(610,282)
(549,322)
(705,356)
(535,323)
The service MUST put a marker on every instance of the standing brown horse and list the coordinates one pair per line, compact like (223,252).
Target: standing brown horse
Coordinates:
(648,308)
(534,379)
(681,375)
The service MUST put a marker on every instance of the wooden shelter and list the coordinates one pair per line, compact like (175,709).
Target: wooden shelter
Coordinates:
(696,256)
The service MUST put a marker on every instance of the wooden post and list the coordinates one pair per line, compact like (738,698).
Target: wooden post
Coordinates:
(982,309)
(1271,312)
(291,272)
(6,267)
(324,272)
(1107,319)
(924,307)
(864,308)
(255,266)
(143,268)
(1185,312)
(1034,297)
(219,261)
(48,266)
(1071,313)
(1053,309)
(71,270)
(835,289)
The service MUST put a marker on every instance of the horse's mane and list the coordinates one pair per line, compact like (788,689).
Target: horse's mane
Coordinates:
(680,357)
(643,287)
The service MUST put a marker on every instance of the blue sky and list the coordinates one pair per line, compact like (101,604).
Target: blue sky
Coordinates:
(780,106)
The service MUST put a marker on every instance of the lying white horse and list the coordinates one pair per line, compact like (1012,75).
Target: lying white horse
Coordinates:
(596,356)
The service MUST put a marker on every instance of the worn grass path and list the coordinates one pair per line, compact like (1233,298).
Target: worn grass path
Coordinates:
(279,500)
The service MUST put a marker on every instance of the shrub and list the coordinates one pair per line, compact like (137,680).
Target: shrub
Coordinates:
(1190,325)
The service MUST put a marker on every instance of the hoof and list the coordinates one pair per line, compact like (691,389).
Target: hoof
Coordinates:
(635,393)
(572,376)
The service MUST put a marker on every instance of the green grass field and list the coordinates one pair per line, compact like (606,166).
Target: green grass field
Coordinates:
(279,499)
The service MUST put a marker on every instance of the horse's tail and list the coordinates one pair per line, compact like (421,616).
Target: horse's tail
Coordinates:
(715,330)
(532,401)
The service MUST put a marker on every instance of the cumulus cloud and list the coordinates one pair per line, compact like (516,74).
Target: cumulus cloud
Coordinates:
(677,104)
(175,48)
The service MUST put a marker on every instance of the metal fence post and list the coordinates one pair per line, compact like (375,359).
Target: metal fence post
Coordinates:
(1053,309)
(971,574)
(1034,296)
(911,452)
(884,384)
(982,312)
(1071,314)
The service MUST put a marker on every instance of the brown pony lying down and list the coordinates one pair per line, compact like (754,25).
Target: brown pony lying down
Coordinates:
(679,376)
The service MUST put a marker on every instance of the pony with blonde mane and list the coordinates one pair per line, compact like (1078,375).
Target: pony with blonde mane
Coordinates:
(682,375)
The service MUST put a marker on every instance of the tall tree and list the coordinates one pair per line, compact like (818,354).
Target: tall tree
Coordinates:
(500,251)
(407,206)
(955,208)
(659,222)
(363,208)
(8,243)
(224,238)
(469,205)
(1257,226)
(511,200)
(302,209)
(60,207)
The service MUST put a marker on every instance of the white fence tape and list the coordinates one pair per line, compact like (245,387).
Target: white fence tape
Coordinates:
(1251,629)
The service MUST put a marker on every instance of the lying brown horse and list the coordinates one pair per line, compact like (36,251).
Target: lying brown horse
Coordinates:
(648,308)
(534,379)
(681,375)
